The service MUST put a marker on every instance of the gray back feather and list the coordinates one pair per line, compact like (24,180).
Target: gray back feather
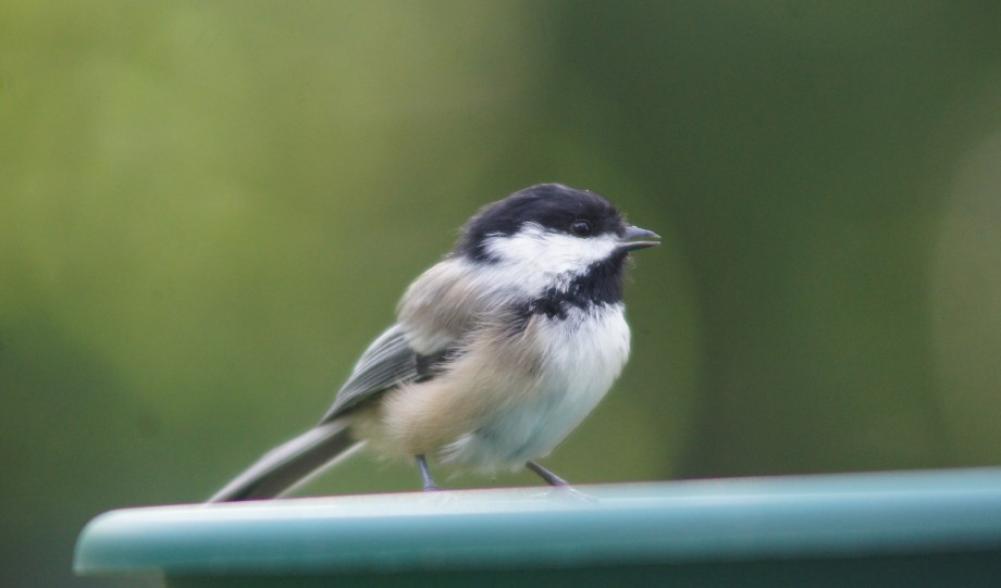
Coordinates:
(387,363)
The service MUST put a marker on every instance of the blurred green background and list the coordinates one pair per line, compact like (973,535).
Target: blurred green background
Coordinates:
(208,209)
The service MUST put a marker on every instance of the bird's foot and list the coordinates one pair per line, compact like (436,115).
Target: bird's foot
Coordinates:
(426,479)
(550,478)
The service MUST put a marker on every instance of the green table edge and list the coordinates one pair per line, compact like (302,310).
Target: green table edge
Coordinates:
(844,515)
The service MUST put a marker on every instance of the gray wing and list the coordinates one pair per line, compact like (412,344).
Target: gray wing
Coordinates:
(387,363)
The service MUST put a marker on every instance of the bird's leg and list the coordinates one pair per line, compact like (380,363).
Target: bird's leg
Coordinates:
(422,464)
(550,478)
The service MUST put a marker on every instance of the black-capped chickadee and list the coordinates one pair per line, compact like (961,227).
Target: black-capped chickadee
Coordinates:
(500,350)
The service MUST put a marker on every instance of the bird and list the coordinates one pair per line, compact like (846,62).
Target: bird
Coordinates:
(499,351)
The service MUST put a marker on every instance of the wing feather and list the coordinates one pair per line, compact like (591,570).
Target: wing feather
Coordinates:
(438,310)
(387,363)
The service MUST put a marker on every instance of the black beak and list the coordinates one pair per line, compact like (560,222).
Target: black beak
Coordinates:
(636,238)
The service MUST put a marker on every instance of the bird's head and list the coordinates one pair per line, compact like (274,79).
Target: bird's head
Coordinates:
(552,230)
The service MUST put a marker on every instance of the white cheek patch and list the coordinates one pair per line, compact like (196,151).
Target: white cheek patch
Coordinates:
(535,254)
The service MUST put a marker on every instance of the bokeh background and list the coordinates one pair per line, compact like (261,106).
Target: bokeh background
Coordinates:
(208,209)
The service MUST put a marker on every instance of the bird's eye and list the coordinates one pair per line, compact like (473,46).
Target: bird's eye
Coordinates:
(581,228)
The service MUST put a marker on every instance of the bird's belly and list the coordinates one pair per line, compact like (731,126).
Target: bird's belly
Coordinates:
(580,356)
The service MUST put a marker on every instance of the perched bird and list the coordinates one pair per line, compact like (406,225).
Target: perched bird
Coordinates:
(499,350)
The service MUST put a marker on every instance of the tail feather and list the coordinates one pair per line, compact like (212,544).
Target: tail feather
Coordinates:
(292,462)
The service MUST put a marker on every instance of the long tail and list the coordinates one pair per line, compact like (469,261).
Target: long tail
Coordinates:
(290,463)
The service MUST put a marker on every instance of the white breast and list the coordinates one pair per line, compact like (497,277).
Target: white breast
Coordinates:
(581,356)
